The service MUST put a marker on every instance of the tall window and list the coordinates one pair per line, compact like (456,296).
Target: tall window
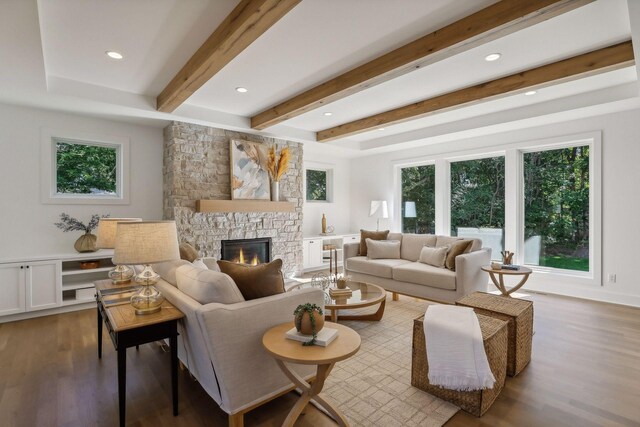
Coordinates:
(418,199)
(477,201)
(556,208)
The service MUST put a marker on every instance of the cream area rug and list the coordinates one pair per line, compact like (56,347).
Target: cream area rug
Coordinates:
(373,388)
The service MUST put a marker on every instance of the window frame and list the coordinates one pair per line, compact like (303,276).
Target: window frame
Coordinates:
(329,182)
(514,197)
(49,194)
(594,142)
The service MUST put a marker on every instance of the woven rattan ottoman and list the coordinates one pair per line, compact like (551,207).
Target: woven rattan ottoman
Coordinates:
(494,335)
(519,314)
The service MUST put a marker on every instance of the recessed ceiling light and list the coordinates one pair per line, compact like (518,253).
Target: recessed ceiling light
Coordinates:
(380,128)
(531,92)
(242,89)
(492,57)
(114,55)
(327,113)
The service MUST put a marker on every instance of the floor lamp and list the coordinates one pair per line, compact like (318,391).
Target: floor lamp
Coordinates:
(378,208)
(410,212)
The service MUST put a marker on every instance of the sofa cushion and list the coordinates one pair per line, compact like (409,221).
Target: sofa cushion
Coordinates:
(198,262)
(395,236)
(447,240)
(381,249)
(207,286)
(434,256)
(373,235)
(427,275)
(256,281)
(187,252)
(374,267)
(458,248)
(412,244)
(167,270)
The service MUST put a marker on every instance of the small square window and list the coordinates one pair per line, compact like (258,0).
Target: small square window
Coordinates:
(318,185)
(84,169)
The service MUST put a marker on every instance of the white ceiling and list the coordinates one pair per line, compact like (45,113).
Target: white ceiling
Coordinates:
(55,50)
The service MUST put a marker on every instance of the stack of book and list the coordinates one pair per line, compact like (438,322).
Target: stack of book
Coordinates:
(323,338)
(340,293)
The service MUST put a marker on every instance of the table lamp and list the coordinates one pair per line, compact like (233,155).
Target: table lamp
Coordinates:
(120,274)
(379,209)
(145,243)
(410,212)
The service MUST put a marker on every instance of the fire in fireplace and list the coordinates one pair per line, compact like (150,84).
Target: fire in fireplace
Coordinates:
(247,251)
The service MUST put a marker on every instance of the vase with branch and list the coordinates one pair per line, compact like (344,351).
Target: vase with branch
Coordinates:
(86,242)
(277,166)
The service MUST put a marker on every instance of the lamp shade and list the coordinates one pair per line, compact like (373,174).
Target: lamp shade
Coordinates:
(107,231)
(409,209)
(146,242)
(379,209)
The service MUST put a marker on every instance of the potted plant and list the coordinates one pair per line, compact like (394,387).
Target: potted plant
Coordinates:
(309,320)
(86,242)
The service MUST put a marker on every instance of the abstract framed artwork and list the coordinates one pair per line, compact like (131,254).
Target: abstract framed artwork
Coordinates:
(249,177)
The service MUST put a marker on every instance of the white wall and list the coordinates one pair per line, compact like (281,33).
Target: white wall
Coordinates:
(338,211)
(26,225)
(373,177)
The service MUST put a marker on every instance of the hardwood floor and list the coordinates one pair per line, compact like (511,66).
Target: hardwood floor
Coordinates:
(585,371)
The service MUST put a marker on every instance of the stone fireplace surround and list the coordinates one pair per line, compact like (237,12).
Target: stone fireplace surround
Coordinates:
(197,166)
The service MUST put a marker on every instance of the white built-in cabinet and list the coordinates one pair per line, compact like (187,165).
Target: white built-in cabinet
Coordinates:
(29,286)
(316,252)
(35,284)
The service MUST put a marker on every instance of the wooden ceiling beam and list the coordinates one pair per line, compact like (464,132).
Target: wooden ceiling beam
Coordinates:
(502,18)
(248,21)
(588,64)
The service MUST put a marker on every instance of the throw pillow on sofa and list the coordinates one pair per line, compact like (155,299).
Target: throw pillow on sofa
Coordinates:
(207,286)
(457,248)
(373,235)
(200,264)
(434,256)
(167,270)
(383,249)
(256,281)
(187,252)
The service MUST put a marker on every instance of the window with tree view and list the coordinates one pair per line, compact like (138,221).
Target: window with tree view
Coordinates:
(418,191)
(317,185)
(556,211)
(85,169)
(477,201)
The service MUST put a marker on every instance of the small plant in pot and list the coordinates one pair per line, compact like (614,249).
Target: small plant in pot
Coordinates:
(86,242)
(309,320)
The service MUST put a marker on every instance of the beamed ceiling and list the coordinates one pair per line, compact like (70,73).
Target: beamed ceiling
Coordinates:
(391,74)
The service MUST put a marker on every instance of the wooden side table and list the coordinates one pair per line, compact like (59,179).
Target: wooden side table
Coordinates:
(285,350)
(499,282)
(128,329)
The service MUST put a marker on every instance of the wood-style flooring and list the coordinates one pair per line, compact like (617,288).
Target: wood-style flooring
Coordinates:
(585,371)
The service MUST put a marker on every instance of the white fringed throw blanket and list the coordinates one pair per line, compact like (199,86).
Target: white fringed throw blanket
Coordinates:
(455,351)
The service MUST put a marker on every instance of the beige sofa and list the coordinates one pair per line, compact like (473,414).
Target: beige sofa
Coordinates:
(408,276)
(221,344)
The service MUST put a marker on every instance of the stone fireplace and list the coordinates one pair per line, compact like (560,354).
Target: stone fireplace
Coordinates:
(197,166)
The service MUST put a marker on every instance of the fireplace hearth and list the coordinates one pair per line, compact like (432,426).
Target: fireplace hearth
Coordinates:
(247,251)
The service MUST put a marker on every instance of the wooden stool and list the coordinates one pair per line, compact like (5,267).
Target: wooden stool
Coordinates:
(477,402)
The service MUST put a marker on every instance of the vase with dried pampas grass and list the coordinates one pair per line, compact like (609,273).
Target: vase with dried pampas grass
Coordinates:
(277,166)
